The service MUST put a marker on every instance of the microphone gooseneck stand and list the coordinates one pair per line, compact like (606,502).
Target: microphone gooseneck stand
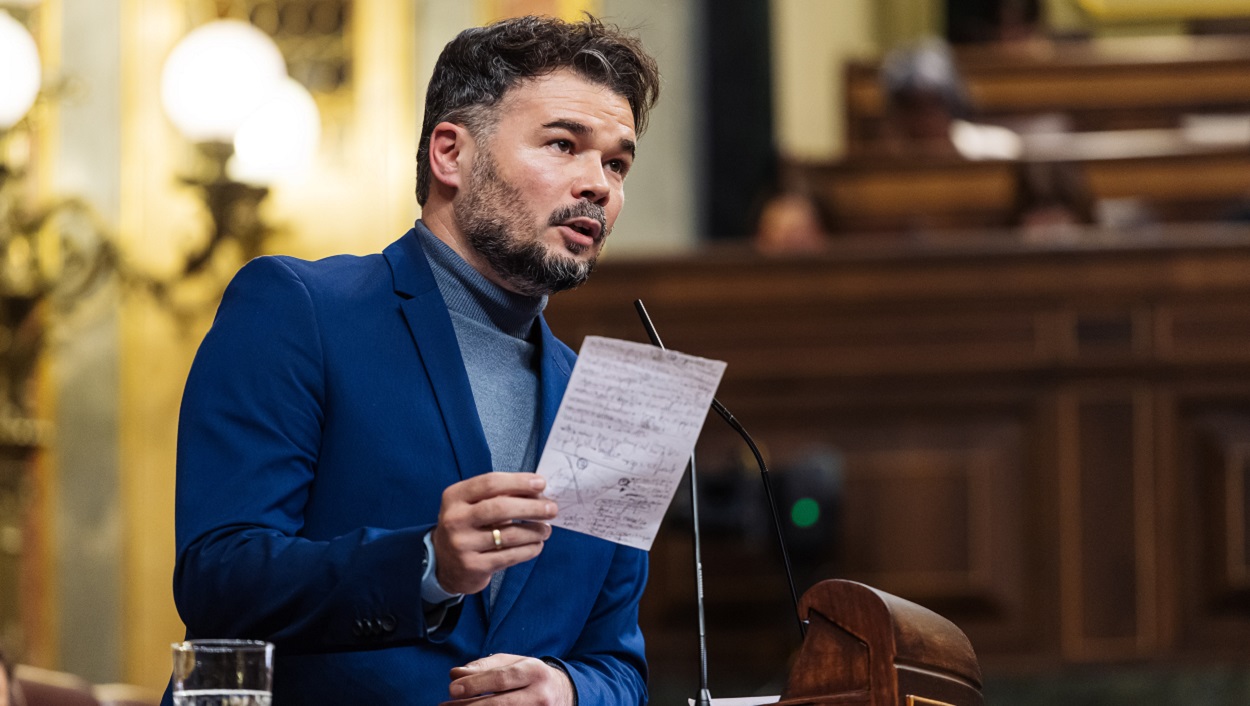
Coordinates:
(704,695)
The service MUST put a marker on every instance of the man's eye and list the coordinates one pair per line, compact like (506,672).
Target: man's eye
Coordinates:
(618,165)
(563,145)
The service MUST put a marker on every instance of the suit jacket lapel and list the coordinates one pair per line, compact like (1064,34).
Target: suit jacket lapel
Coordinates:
(555,372)
(555,378)
(432,332)
(430,324)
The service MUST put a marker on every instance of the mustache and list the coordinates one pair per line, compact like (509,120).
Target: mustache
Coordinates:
(582,209)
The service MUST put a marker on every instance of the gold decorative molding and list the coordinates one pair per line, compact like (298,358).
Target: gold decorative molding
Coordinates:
(492,10)
(913,700)
(1164,9)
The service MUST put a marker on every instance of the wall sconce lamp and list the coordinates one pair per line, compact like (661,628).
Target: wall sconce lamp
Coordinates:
(55,252)
(225,87)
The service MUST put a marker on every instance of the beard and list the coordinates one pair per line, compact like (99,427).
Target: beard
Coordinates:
(502,229)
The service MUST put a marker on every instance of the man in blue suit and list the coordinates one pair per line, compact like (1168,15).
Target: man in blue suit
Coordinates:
(357,434)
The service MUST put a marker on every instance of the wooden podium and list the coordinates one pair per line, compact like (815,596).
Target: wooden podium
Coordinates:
(867,647)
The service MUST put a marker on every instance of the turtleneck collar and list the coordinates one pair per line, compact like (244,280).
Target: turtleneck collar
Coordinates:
(468,293)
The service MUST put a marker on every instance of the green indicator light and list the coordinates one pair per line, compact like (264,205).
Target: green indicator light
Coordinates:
(805,512)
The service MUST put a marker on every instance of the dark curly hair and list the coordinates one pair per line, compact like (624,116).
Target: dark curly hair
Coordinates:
(481,64)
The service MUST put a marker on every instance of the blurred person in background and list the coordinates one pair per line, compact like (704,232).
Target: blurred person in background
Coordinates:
(1051,199)
(928,110)
(993,21)
(790,222)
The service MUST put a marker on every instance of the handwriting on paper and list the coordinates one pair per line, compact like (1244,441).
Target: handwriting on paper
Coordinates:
(624,431)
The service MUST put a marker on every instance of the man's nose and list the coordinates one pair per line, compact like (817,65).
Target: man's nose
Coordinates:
(592,181)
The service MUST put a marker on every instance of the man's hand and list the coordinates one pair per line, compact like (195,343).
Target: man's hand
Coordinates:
(465,551)
(509,680)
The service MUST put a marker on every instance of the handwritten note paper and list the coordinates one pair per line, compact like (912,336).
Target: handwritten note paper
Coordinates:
(622,437)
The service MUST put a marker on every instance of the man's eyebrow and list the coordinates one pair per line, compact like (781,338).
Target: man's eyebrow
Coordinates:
(571,125)
(580,129)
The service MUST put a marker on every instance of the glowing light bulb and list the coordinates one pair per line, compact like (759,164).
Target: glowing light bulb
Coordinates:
(279,139)
(20,79)
(217,76)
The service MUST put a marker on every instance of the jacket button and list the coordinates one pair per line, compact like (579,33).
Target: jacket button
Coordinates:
(358,628)
(387,624)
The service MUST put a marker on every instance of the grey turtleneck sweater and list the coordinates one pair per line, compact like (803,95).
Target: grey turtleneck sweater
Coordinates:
(497,332)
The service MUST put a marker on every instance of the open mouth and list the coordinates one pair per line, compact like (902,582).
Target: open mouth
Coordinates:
(587,227)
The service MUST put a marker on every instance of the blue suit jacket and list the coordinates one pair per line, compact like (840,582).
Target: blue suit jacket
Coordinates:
(326,411)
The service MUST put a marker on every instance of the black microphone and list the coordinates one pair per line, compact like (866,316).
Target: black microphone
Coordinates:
(768,491)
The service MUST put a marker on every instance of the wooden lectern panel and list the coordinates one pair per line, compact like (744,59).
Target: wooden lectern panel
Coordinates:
(864,646)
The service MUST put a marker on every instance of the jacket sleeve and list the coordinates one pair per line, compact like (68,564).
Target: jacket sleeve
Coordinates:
(248,438)
(607,663)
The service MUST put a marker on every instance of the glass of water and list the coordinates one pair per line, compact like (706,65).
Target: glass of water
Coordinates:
(223,673)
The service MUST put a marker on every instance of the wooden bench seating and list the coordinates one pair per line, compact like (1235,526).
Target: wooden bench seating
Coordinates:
(1186,182)
(1106,84)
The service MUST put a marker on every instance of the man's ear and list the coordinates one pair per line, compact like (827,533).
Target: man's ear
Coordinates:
(450,152)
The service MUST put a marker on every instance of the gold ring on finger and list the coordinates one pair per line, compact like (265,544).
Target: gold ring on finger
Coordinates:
(498,537)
